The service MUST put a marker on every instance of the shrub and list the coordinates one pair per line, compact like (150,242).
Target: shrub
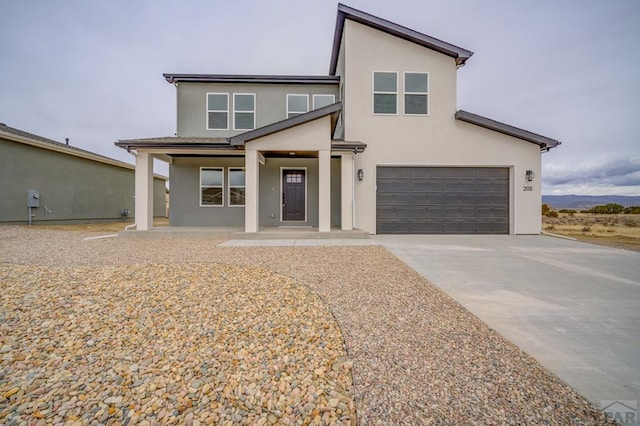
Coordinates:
(570,211)
(630,223)
(586,229)
(545,209)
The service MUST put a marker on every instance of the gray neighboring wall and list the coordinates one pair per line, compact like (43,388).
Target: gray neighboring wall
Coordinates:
(74,184)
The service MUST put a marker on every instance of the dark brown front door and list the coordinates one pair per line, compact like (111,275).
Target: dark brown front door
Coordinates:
(293,196)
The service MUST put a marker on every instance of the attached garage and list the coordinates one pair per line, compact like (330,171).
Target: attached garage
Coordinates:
(442,200)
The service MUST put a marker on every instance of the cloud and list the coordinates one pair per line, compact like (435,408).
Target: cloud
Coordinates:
(618,172)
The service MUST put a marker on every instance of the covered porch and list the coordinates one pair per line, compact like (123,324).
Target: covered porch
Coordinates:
(290,176)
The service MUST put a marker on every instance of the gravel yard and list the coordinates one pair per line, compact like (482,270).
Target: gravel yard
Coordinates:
(182,331)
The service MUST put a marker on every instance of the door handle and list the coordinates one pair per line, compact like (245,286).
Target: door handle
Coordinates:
(283,200)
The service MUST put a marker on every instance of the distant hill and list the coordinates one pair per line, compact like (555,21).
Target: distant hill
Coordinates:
(582,202)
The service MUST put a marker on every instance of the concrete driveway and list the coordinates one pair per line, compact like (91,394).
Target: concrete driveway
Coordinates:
(575,307)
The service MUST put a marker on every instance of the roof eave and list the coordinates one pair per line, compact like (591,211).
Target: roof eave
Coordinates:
(544,142)
(237,78)
(345,12)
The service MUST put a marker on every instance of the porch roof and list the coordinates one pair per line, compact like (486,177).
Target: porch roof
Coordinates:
(333,110)
(237,142)
(175,142)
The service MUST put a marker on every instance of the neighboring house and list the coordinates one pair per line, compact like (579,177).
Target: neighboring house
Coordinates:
(376,145)
(71,184)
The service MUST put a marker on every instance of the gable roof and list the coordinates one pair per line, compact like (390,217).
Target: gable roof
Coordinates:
(285,124)
(20,136)
(544,142)
(238,78)
(238,141)
(345,12)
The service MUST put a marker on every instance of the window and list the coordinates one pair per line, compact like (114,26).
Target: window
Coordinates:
(320,101)
(297,104)
(217,111)
(244,111)
(385,92)
(236,186)
(416,93)
(211,186)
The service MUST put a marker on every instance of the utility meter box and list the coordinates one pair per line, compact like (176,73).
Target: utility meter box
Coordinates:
(33,198)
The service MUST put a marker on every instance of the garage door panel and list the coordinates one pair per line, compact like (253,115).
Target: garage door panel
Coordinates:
(456,200)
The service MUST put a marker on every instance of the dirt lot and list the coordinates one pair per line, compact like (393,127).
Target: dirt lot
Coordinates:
(613,230)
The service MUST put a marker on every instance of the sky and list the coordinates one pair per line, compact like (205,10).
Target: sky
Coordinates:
(91,71)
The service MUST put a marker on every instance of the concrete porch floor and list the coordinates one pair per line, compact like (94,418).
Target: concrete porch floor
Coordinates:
(237,233)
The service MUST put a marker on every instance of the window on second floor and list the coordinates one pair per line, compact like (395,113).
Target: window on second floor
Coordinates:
(320,101)
(297,104)
(244,111)
(217,111)
(385,92)
(416,93)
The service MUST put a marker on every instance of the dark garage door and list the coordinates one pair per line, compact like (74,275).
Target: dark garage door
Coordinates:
(442,200)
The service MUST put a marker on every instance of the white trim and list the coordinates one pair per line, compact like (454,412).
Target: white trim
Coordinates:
(297,112)
(404,93)
(209,186)
(306,193)
(229,187)
(206,100)
(313,99)
(244,112)
(373,92)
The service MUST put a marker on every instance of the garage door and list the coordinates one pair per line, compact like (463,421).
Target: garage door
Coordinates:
(442,200)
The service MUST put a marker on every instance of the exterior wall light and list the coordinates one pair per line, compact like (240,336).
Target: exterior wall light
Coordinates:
(530,175)
(360,174)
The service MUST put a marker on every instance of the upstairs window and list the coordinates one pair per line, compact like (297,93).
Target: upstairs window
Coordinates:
(236,186)
(217,111)
(297,104)
(416,93)
(385,92)
(211,186)
(244,111)
(320,101)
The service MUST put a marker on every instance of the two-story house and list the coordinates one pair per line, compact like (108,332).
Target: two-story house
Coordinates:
(376,145)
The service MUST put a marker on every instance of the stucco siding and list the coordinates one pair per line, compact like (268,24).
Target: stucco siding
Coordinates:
(433,140)
(72,188)
(270,104)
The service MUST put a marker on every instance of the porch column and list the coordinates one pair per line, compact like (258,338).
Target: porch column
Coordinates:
(346,191)
(144,191)
(251,190)
(324,191)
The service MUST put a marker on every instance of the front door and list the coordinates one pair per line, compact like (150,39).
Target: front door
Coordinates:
(293,195)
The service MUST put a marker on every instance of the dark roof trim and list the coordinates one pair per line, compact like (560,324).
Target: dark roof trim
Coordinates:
(340,145)
(544,142)
(345,12)
(232,78)
(285,124)
(171,142)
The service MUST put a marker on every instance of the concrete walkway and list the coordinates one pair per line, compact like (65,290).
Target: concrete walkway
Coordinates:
(575,307)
